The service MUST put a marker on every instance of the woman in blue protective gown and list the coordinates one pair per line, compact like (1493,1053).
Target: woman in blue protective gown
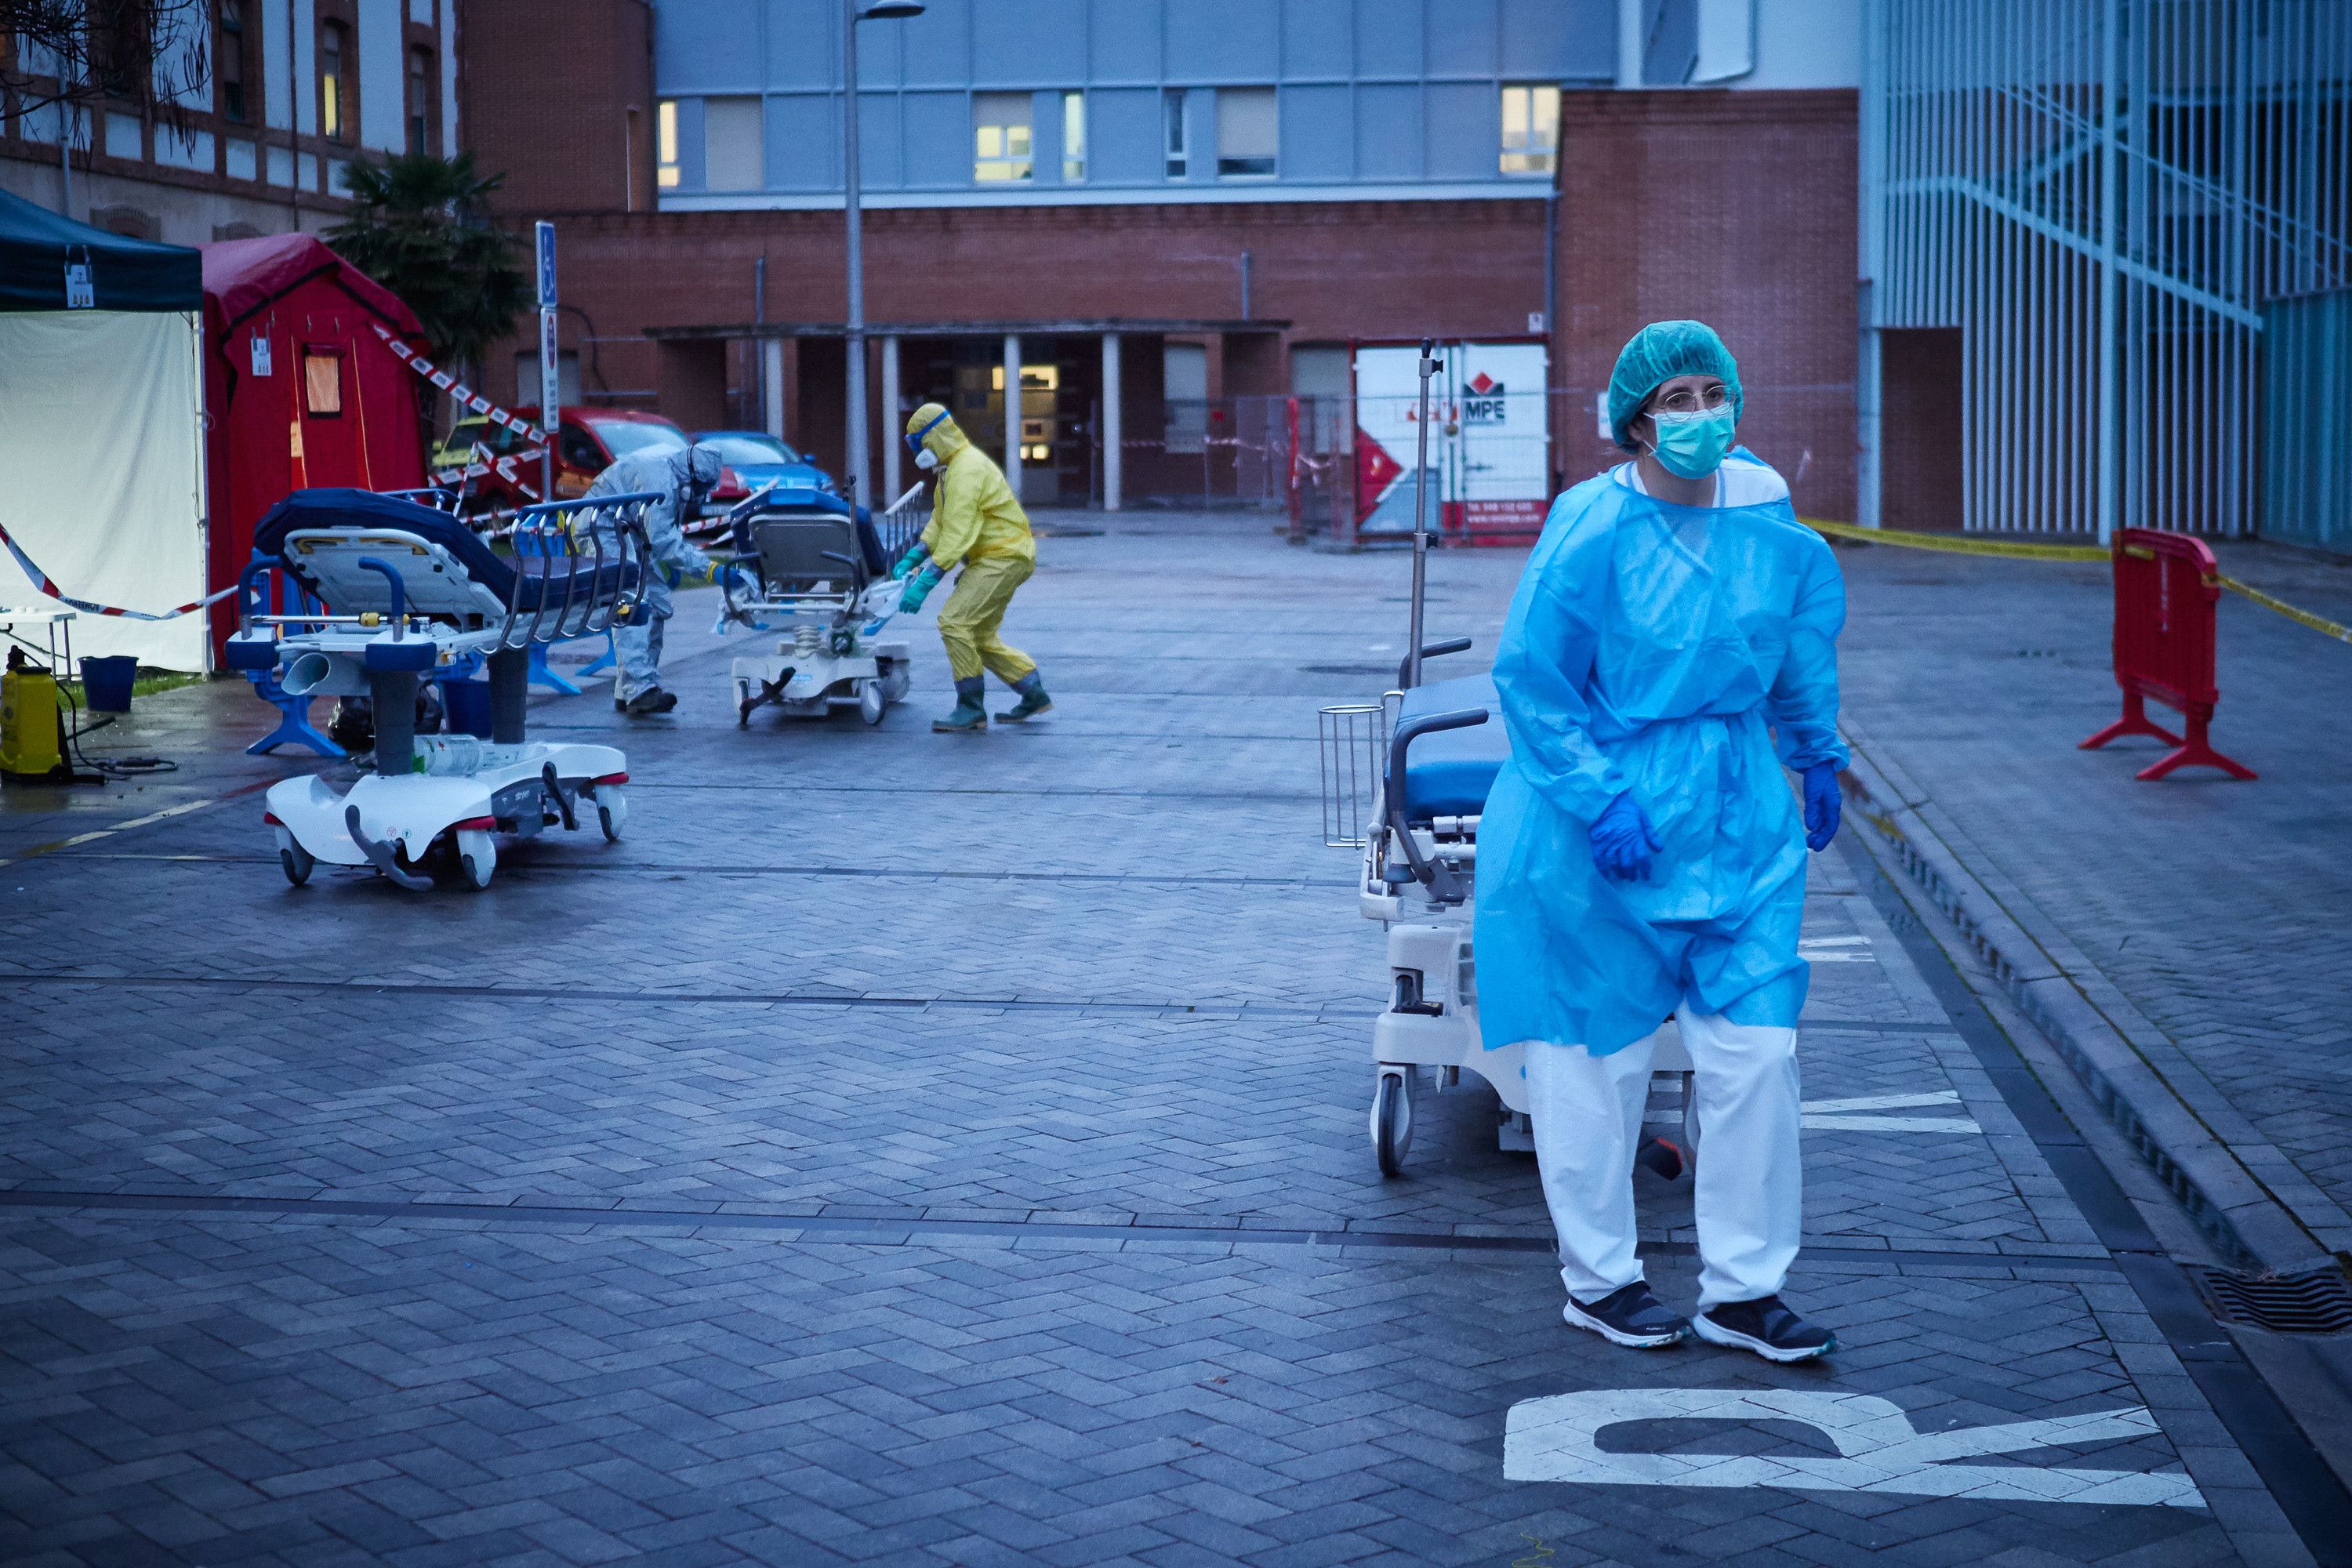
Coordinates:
(1669,659)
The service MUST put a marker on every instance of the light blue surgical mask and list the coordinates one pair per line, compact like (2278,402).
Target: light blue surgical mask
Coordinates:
(1692,445)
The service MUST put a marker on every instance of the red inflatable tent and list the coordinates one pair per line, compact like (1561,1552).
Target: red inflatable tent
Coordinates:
(300,390)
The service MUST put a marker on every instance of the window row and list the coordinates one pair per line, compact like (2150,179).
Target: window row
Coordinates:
(237,73)
(1245,124)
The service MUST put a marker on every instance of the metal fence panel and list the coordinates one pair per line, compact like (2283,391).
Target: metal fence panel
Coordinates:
(2102,195)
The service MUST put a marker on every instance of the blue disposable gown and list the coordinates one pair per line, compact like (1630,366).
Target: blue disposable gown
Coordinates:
(1685,653)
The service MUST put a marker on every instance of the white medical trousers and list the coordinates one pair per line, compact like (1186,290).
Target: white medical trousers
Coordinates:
(1587,1112)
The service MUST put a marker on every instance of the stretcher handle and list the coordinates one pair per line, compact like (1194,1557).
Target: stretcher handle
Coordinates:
(1443,883)
(399,591)
(1428,650)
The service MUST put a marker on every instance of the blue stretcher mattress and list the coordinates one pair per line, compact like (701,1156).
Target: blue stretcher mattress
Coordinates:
(1449,774)
(547,578)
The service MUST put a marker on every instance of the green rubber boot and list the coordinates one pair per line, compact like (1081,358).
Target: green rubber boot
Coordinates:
(1033,702)
(970,715)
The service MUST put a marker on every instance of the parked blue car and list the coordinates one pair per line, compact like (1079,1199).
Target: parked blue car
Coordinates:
(759,460)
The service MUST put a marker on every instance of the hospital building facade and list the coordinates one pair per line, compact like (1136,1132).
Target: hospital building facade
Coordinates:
(1165,219)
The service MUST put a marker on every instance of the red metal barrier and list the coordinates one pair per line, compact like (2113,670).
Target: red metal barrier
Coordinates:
(2164,595)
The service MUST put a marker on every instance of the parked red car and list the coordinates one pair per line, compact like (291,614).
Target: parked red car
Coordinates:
(589,441)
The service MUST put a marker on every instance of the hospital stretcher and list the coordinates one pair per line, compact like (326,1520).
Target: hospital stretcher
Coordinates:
(398,592)
(1419,880)
(806,566)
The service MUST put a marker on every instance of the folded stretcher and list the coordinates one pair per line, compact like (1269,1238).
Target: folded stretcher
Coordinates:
(1419,880)
(407,591)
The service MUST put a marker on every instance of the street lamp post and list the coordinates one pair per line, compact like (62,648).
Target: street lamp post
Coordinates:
(860,459)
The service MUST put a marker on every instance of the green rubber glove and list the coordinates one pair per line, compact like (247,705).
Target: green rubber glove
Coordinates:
(918,588)
(917,554)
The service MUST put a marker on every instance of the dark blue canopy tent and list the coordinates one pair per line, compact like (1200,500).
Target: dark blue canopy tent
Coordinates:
(36,246)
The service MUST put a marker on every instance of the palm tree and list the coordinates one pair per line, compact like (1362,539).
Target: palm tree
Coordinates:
(421,228)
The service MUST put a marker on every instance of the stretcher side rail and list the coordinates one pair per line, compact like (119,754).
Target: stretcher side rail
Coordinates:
(1435,872)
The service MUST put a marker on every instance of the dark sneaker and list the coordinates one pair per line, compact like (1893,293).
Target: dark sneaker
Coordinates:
(1628,1317)
(1766,1326)
(653,699)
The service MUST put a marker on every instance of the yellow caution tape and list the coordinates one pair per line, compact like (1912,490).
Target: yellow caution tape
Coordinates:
(2301,617)
(1958,545)
(1962,545)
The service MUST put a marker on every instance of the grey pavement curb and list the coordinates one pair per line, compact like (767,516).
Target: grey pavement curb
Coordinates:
(2233,1205)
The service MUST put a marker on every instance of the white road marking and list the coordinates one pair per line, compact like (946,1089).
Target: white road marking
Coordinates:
(79,838)
(1838,1115)
(1888,1124)
(1881,1102)
(1557,1439)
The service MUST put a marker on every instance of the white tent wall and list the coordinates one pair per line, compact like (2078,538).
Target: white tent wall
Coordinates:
(101,443)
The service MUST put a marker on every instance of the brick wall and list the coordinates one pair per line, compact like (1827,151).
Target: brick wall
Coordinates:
(1334,270)
(546,91)
(1736,209)
(1919,427)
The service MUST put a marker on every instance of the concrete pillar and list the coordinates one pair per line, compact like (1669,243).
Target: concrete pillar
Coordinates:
(894,426)
(1013,411)
(772,385)
(1112,428)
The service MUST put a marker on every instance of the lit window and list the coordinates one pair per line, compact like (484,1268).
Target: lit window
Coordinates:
(334,114)
(1073,136)
(1000,137)
(322,383)
(1530,128)
(666,144)
(1245,132)
(230,68)
(1173,105)
(420,100)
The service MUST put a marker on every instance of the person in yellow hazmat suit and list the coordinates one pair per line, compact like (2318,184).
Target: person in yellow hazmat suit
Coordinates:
(977,523)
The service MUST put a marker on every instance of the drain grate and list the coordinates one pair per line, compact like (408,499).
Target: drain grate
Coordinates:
(2317,1302)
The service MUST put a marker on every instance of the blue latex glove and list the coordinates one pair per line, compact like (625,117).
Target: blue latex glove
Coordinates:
(1823,807)
(1623,841)
(725,575)
(918,588)
(917,554)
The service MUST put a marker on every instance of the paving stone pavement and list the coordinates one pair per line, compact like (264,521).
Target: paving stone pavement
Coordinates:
(861,1161)
(2206,912)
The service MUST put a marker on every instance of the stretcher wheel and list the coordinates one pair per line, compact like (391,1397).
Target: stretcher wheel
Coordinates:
(1391,1121)
(297,861)
(871,704)
(477,858)
(611,810)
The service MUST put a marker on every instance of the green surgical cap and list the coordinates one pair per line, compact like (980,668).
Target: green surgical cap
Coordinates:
(1657,353)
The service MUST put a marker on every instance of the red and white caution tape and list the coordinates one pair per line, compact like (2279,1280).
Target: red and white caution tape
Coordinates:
(474,403)
(49,586)
(502,467)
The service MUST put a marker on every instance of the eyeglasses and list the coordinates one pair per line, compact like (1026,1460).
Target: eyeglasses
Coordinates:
(1683,400)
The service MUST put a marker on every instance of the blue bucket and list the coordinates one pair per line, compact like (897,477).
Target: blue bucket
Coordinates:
(466,707)
(106,682)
